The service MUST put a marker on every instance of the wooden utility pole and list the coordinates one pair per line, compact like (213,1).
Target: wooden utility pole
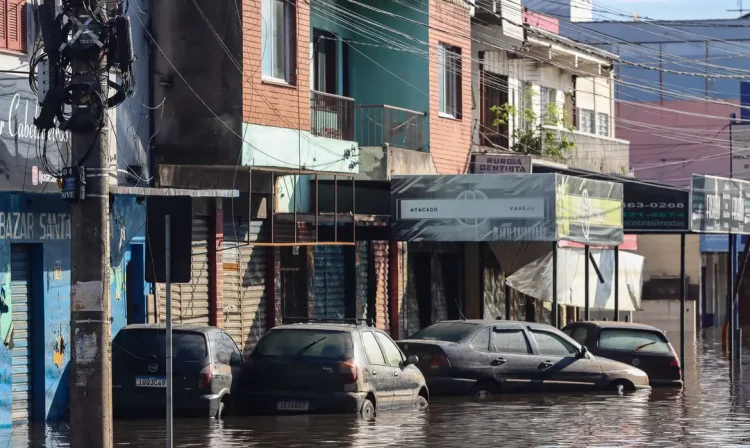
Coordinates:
(91,363)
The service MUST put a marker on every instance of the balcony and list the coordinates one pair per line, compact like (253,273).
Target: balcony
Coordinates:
(331,116)
(400,128)
(596,152)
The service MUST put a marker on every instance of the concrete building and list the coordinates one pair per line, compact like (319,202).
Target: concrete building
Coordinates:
(35,229)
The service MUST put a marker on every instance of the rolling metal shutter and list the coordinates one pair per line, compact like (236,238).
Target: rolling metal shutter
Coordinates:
(20,287)
(190,301)
(244,286)
(381,260)
(328,282)
(362,273)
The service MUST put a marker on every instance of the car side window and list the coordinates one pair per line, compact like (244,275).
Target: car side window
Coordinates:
(481,341)
(231,345)
(510,341)
(223,352)
(551,344)
(372,349)
(392,352)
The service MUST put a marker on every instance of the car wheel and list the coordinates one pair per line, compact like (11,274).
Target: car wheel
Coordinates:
(368,410)
(221,410)
(421,403)
(621,386)
(485,390)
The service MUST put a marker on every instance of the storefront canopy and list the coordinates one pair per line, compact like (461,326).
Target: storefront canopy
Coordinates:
(506,207)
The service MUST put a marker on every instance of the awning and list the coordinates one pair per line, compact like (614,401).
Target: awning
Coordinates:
(535,279)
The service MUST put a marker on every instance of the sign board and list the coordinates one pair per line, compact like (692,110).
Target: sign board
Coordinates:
(720,243)
(741,151)
(655,208)
(501,164)
(21,143)
(180,210)
(512,207)
(719,205)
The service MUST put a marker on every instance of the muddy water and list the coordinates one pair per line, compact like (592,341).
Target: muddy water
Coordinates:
(712,411)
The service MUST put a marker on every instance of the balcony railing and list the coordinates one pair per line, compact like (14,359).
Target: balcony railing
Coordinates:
(401,128)
(331,116)
(595,152)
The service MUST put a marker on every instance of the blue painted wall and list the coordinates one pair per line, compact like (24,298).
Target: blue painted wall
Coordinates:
(42,220)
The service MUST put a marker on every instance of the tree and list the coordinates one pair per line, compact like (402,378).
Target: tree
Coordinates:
(531,136)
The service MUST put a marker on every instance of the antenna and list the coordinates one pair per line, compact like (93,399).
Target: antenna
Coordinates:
(741,10)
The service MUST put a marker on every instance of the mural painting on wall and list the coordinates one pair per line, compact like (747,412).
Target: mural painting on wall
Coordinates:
(22,145)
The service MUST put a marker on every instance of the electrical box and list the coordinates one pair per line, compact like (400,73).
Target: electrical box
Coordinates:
(73,181)
(43,80)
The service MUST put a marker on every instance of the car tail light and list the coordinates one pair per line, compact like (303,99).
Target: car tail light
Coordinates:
(348,371)
(674,362)
(439,361)
(204,377)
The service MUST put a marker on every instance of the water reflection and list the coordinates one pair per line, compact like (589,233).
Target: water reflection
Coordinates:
(711,411)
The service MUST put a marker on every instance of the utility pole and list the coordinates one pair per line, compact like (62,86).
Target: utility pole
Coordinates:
(91,361)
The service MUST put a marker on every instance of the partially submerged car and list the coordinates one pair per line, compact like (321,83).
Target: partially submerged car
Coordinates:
(485,357)
(321,367)
(206,371)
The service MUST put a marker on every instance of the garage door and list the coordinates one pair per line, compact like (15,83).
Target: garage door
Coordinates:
(244,287)
(20,287)
(330,290)
(190,301)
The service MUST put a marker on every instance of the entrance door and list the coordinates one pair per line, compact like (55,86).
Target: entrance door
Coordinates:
(20,287)
(134,285)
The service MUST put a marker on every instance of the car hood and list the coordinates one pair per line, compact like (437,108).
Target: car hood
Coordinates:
(615,367)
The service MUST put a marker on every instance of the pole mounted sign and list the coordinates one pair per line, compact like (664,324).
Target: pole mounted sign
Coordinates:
(719,205)
(511,207)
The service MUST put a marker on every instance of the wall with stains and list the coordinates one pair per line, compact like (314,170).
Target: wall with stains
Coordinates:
(41,221)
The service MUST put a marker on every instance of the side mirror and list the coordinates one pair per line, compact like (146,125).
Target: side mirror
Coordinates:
(583,352)
(235,360)
(412,360)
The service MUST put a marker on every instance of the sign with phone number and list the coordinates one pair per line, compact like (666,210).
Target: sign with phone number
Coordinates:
(654,208)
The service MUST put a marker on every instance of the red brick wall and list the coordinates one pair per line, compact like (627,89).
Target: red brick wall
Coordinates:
(450,139)
(216,266)
(289,105)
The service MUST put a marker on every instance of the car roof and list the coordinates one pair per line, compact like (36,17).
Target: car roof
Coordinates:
(322,326)
(501,323)
(180,327)
(616,325)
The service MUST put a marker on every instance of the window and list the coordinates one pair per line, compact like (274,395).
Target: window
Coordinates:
(392,352)
(481,341)
(553,345)
(13,25)
(511,341)
(548,99)
(325,62)
(449,80)
(141,344)
(222,349)
(578,334)
(586,120)
(445,331)
(633,340)
(372,349)
(602,124)
(333,345)
(278,40)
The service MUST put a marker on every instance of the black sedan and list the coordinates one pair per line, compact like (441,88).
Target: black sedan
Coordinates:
(483,357)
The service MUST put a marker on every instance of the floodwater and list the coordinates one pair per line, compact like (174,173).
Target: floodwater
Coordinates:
(712,411)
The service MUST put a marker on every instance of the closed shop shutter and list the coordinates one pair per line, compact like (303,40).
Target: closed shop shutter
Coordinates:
(362,270)
(190,301)
(20,287)
(244,287)
(380,269)
(328,282)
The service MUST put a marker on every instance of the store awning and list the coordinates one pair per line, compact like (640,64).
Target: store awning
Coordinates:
(535,279)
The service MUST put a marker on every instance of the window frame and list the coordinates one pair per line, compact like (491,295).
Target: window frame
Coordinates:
(453,69)
(288,39)
(377,343)
(21,10)
(665,341)
(534,332)
(590,113)
(487,349)
(599,115)
(495,331)
(383,340)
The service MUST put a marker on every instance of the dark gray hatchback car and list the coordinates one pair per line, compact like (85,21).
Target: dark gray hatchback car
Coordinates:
(206,371)
(331,368)
(482,357)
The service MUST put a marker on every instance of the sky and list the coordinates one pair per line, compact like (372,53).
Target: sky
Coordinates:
(669,9)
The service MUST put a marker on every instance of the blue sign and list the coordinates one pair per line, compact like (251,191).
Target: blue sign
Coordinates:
(720,243)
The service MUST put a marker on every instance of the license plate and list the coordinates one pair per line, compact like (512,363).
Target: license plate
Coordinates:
(293,405)
(150,381)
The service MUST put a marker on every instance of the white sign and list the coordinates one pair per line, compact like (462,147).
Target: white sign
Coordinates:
(741,151)
(501,164)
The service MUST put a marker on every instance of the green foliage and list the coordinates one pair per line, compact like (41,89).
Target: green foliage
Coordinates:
(531,137)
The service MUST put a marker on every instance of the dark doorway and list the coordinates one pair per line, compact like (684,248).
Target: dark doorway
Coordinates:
(350,282)
(493,91)
(293,282)
(451,265)
(423,286)
(135,276)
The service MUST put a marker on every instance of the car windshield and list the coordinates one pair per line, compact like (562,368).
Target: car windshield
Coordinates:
(151,344)
(634,340)
(445,331)
(330,345)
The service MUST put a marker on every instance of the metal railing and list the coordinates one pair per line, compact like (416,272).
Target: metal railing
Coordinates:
(331,115)
(401,128)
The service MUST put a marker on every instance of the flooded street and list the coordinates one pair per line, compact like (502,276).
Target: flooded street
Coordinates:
(712,411)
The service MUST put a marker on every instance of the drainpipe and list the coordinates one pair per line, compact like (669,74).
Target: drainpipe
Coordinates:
(152,172)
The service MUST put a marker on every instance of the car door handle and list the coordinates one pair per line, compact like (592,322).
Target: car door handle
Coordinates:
(497,361)
(374,373)
(546,365)
(397,373)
